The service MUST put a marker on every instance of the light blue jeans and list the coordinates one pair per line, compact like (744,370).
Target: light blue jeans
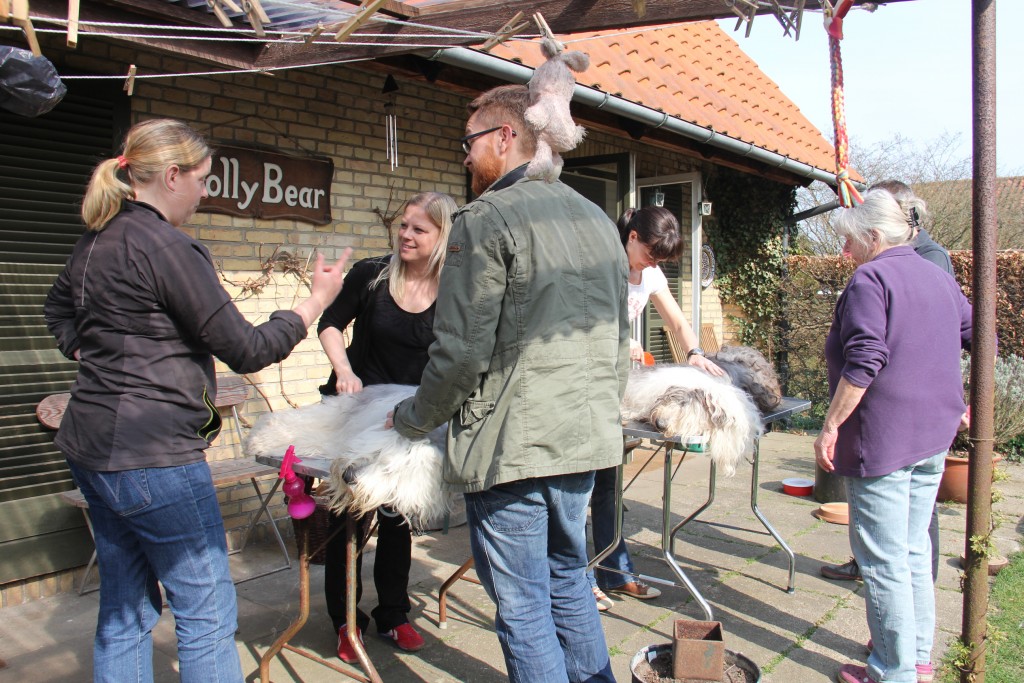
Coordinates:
(161,524)
(602,520)
(529,544)
(889,518)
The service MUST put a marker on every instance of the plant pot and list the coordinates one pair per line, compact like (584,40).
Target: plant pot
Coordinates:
(657,660)
(953,485)
(828,486)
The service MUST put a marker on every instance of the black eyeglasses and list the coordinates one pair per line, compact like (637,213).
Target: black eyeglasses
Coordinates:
(467,140)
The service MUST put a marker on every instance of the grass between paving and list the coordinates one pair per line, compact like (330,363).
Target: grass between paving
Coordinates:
(1004,663)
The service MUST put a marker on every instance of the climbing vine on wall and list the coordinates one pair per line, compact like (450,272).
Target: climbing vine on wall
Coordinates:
(746,232)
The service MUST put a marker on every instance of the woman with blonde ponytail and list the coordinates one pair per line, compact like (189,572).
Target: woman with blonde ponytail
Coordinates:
(139,305)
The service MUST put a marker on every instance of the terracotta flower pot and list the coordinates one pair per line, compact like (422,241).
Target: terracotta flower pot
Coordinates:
(953,486)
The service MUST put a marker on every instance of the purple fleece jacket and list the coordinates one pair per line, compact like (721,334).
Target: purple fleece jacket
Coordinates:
(898,330)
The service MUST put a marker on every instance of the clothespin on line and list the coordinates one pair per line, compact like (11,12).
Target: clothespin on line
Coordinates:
(19,17)
(129,83)
(746,15)
(511,27)
(218,7)
(317,30)
(73,12)
(257,17)
(362,15)
(545,31)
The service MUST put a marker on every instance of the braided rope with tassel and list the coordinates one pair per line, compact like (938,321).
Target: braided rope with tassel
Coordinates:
(848,193)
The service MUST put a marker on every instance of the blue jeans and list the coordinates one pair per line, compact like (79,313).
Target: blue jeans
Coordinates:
(889,518)
(602,518)
(529,544)
(161,524)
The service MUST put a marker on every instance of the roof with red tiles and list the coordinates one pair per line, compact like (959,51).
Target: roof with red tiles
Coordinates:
(698,73)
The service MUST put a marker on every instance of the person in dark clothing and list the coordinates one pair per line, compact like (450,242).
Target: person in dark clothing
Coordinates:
(391,299)
(916,211)
(140,307)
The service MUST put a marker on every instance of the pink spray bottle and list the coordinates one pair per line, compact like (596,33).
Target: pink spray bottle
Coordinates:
(300,505)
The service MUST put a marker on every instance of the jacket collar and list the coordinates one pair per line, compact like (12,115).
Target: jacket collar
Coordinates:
(509,179)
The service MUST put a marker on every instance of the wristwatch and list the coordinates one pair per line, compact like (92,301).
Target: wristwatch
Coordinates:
(695,351)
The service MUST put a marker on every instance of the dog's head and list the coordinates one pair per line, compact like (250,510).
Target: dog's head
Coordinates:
(687,410)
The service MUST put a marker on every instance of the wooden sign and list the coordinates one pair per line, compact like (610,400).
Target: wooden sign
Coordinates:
(260,183)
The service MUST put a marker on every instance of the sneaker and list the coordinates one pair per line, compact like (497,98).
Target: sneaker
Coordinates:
(604,603)
(852,673)
(405,637)
(842,572)
(637,589)
(346,652)
(925,673)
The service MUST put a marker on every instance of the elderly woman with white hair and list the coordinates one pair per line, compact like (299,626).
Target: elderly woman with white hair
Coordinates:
(893,356)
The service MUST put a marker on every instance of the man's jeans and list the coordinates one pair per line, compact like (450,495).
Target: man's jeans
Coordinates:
(889,518)
(529,544)
(602,519)
(161,524)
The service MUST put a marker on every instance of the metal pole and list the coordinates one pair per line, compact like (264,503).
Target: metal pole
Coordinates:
(983,348)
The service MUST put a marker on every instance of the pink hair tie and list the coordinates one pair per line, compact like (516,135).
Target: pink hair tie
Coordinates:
(121,161)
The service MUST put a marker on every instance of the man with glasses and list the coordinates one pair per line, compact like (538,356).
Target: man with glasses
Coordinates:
(528,369)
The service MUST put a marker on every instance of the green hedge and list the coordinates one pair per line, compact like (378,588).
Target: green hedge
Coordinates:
(811,285)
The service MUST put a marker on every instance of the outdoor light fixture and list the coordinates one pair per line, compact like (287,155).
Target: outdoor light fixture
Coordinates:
(658,198)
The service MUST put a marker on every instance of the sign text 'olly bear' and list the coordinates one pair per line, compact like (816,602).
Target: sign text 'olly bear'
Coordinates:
(263,184)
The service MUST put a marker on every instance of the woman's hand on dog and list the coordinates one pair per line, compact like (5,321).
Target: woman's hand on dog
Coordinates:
(706,365)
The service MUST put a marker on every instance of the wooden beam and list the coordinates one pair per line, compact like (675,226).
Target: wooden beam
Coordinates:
(225,54)
(563,16)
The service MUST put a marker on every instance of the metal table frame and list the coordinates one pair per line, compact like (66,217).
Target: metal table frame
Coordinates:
(788,408)
(320,468)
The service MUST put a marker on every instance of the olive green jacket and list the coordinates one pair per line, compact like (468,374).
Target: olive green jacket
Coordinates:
(532,349)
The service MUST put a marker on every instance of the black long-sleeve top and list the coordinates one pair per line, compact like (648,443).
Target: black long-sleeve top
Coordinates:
(142,303)
(389,344)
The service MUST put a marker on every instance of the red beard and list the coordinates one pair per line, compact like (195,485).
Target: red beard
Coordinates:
(484,172)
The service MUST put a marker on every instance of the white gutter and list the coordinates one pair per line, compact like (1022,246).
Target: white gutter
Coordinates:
(484,63)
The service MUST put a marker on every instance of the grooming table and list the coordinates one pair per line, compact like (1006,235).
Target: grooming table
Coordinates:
(633,430)
(320,468)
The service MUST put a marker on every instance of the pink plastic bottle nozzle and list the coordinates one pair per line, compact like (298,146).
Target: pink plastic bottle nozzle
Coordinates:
(300,505)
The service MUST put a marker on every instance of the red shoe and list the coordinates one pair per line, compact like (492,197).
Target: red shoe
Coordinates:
(405,637)
(346,652)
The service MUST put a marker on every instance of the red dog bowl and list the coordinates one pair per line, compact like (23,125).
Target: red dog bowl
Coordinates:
(798,487)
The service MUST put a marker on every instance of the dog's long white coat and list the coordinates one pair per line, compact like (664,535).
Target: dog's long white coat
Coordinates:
(405,474)
(682,400)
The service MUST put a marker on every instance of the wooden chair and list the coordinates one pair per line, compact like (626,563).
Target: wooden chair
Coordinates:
(232,391)
(708,342)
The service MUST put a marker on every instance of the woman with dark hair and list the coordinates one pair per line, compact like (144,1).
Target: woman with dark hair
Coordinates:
(140,307)
(649,235)
(391,300)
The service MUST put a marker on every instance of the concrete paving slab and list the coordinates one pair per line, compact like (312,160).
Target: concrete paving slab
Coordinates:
(795,638)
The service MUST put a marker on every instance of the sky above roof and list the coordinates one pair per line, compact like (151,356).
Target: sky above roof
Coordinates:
(907,71)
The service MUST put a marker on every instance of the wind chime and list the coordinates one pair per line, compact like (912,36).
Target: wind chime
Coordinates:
(390,92)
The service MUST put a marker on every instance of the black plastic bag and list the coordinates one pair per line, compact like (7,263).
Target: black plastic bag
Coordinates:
(29,85)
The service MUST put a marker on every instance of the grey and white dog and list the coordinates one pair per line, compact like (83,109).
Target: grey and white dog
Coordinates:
(373,466)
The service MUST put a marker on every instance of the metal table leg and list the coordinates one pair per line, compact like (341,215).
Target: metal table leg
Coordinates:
(757,513)
(351,550)
(667,534)
(264,512)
